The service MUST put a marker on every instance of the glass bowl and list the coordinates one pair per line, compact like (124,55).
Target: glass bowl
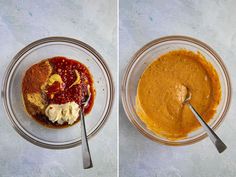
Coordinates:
(151,52)
(30,129)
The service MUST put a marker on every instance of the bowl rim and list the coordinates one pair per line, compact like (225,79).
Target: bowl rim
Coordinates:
(5,91)
(136,56)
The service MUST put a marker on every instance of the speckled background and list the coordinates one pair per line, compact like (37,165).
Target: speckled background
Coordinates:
(22,22)
(212,21)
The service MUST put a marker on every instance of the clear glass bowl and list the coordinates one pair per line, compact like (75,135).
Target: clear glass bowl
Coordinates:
(151,52)
(12,97)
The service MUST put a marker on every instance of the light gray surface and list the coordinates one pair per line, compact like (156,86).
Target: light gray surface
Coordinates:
(213,22)
(22,22)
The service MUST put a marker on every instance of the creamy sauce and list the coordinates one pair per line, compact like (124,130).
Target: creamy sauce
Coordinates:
(162,90)
(61,113)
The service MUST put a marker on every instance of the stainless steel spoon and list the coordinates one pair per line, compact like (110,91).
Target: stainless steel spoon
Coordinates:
(87,161)
(220,146)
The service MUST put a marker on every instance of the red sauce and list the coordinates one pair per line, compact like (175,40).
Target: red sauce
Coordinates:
(63,94)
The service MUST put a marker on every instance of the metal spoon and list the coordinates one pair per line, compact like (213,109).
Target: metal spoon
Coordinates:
(220,146)
(87,161)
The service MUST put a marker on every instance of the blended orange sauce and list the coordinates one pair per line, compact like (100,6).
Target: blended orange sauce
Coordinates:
(162,90)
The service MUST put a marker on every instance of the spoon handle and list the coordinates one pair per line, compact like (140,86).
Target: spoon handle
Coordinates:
(220,146)
(87,161)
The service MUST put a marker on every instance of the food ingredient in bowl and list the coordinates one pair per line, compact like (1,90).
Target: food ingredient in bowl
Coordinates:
(61,113)
(162,90)
(54,78)
(36,99)
(54,89)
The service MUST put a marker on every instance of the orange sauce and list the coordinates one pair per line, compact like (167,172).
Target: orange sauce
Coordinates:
(162,90)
